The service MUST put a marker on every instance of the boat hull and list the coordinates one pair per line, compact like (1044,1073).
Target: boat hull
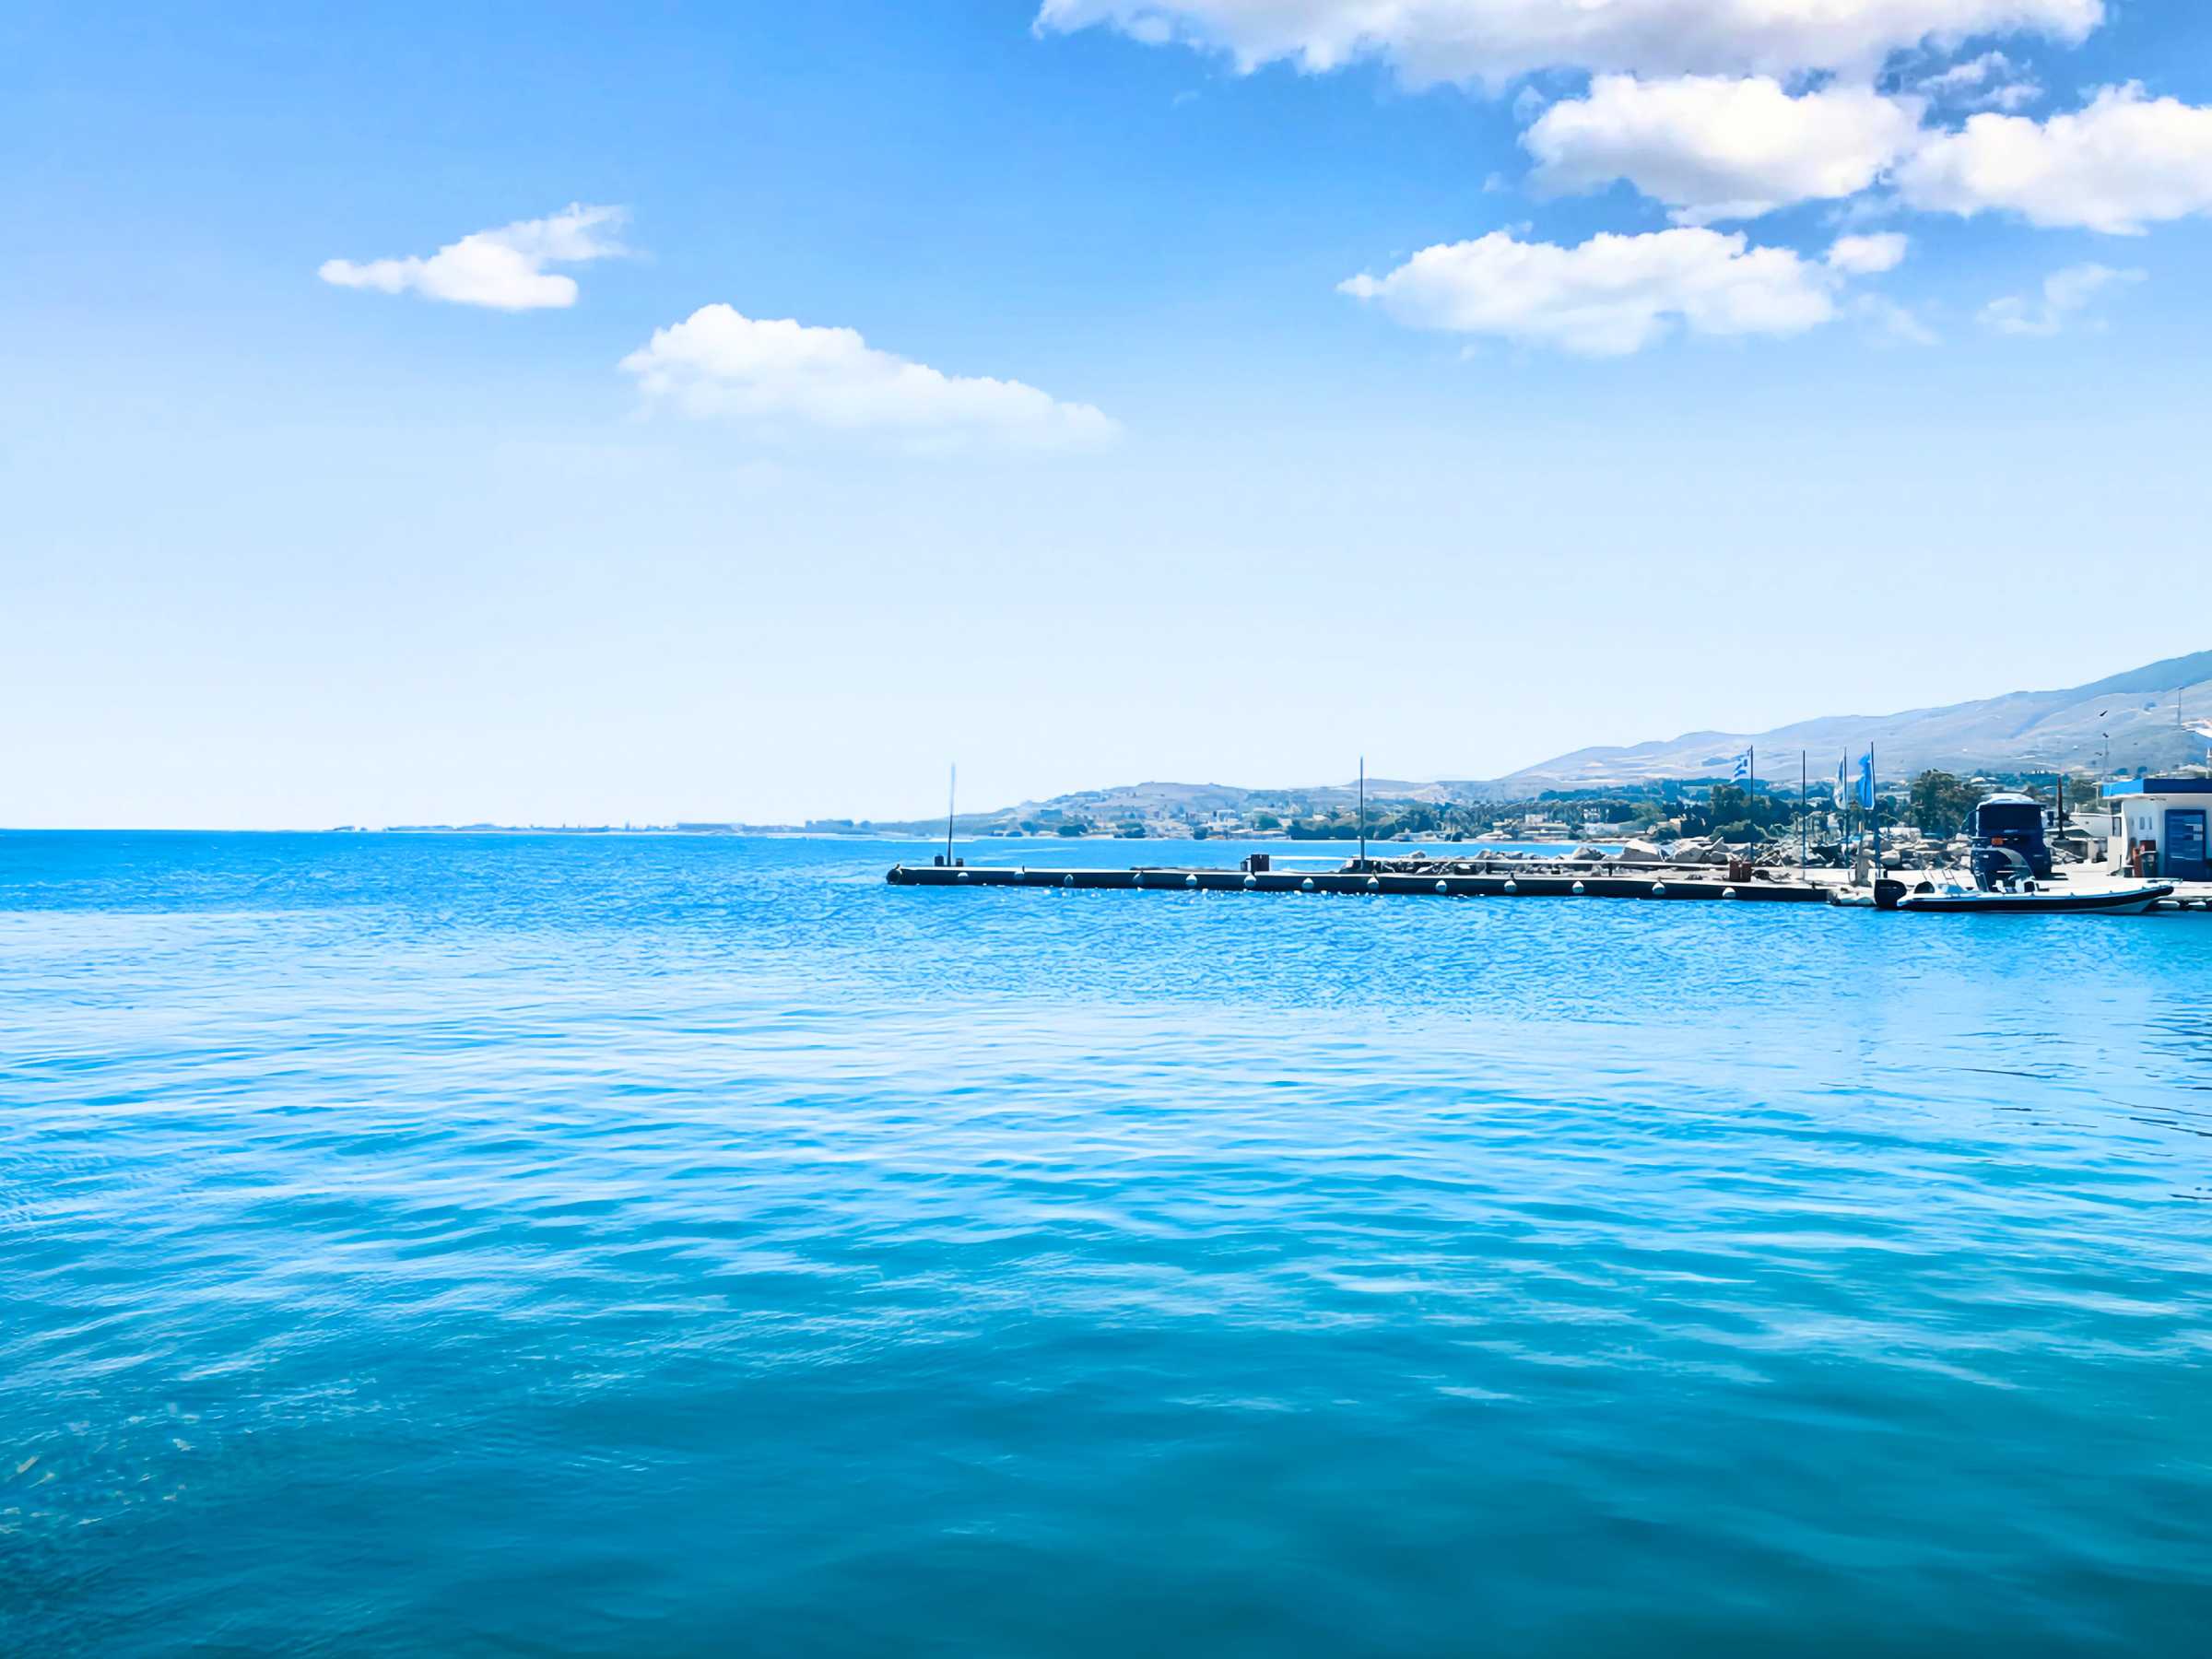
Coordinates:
(2127,901)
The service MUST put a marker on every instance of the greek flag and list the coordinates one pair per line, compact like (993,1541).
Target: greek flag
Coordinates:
(1866,780)
(1842,781)
(1743,766)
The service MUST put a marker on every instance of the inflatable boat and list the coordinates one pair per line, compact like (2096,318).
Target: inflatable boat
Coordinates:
(2028,900)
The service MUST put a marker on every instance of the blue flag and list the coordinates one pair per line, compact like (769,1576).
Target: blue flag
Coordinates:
(1743,766)
(1866,780)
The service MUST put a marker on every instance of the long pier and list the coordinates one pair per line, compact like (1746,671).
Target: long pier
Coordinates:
(1663,883)
(1472,878)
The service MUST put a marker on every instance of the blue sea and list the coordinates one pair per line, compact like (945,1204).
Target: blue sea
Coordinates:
(557,1244)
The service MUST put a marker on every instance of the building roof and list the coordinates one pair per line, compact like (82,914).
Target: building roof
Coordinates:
(2158,786)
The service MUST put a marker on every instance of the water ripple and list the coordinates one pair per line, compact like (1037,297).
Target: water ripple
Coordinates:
(563,1244)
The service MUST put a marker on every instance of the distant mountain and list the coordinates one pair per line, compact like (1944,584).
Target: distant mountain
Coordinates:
(2025,731)
(1182,803)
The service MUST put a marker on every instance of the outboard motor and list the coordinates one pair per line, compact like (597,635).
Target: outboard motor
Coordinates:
(2009,842)
(2007,833)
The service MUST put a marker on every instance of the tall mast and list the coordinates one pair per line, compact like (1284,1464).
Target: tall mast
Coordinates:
(1874,816)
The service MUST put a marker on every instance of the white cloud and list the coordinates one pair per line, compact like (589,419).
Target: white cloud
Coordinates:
(1716,148)
(1992,81)
(1491,40)
(1891,323)
(1612,295)
(2065,294)
(718,362)
(504,269)
(2124,162)
(1867,256)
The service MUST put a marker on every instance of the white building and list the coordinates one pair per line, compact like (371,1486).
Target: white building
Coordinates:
(2160,825)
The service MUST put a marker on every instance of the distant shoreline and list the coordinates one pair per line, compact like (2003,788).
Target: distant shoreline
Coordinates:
(491,833)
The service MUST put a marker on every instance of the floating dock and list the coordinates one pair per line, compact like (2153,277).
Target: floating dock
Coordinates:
(1475,878)
(1673,884)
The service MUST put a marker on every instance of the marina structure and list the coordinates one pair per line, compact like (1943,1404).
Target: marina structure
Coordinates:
(2160,825)
(1415,876)
(2095,891)
(2010,868)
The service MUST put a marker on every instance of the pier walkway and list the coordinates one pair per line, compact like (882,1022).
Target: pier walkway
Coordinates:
(1676,884)
(1473,878)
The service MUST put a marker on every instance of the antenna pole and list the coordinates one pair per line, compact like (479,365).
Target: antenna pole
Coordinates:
(1363,812)
(1805,811)
(1874,817)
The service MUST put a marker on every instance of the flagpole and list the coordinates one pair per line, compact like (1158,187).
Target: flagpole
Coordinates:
(1874,815)
(1805,809)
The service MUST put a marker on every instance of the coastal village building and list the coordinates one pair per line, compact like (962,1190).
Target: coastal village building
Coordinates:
(2161,827)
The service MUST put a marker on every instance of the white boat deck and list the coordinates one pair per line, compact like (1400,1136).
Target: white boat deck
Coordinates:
(2192,895)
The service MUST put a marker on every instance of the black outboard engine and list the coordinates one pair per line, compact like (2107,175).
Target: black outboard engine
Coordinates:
(2008,831)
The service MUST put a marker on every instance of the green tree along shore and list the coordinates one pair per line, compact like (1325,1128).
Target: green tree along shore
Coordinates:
(1932,801)
(1937,802)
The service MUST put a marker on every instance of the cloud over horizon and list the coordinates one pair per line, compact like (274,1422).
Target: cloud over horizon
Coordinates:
(504,269)
(720,362)
(1492,42)
(1992,81)
(2065,294)
(1614,295)
(1713,148)
(2123,162)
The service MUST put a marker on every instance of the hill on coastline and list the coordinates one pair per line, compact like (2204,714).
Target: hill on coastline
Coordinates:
(2021,732)
(2138,718)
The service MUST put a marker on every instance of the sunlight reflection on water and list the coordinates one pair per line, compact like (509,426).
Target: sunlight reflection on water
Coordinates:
(546,1241)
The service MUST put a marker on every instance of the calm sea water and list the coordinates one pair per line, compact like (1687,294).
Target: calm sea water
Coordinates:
(548,1244)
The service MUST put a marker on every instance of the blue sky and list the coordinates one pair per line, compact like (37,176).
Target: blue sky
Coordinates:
(283,547)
